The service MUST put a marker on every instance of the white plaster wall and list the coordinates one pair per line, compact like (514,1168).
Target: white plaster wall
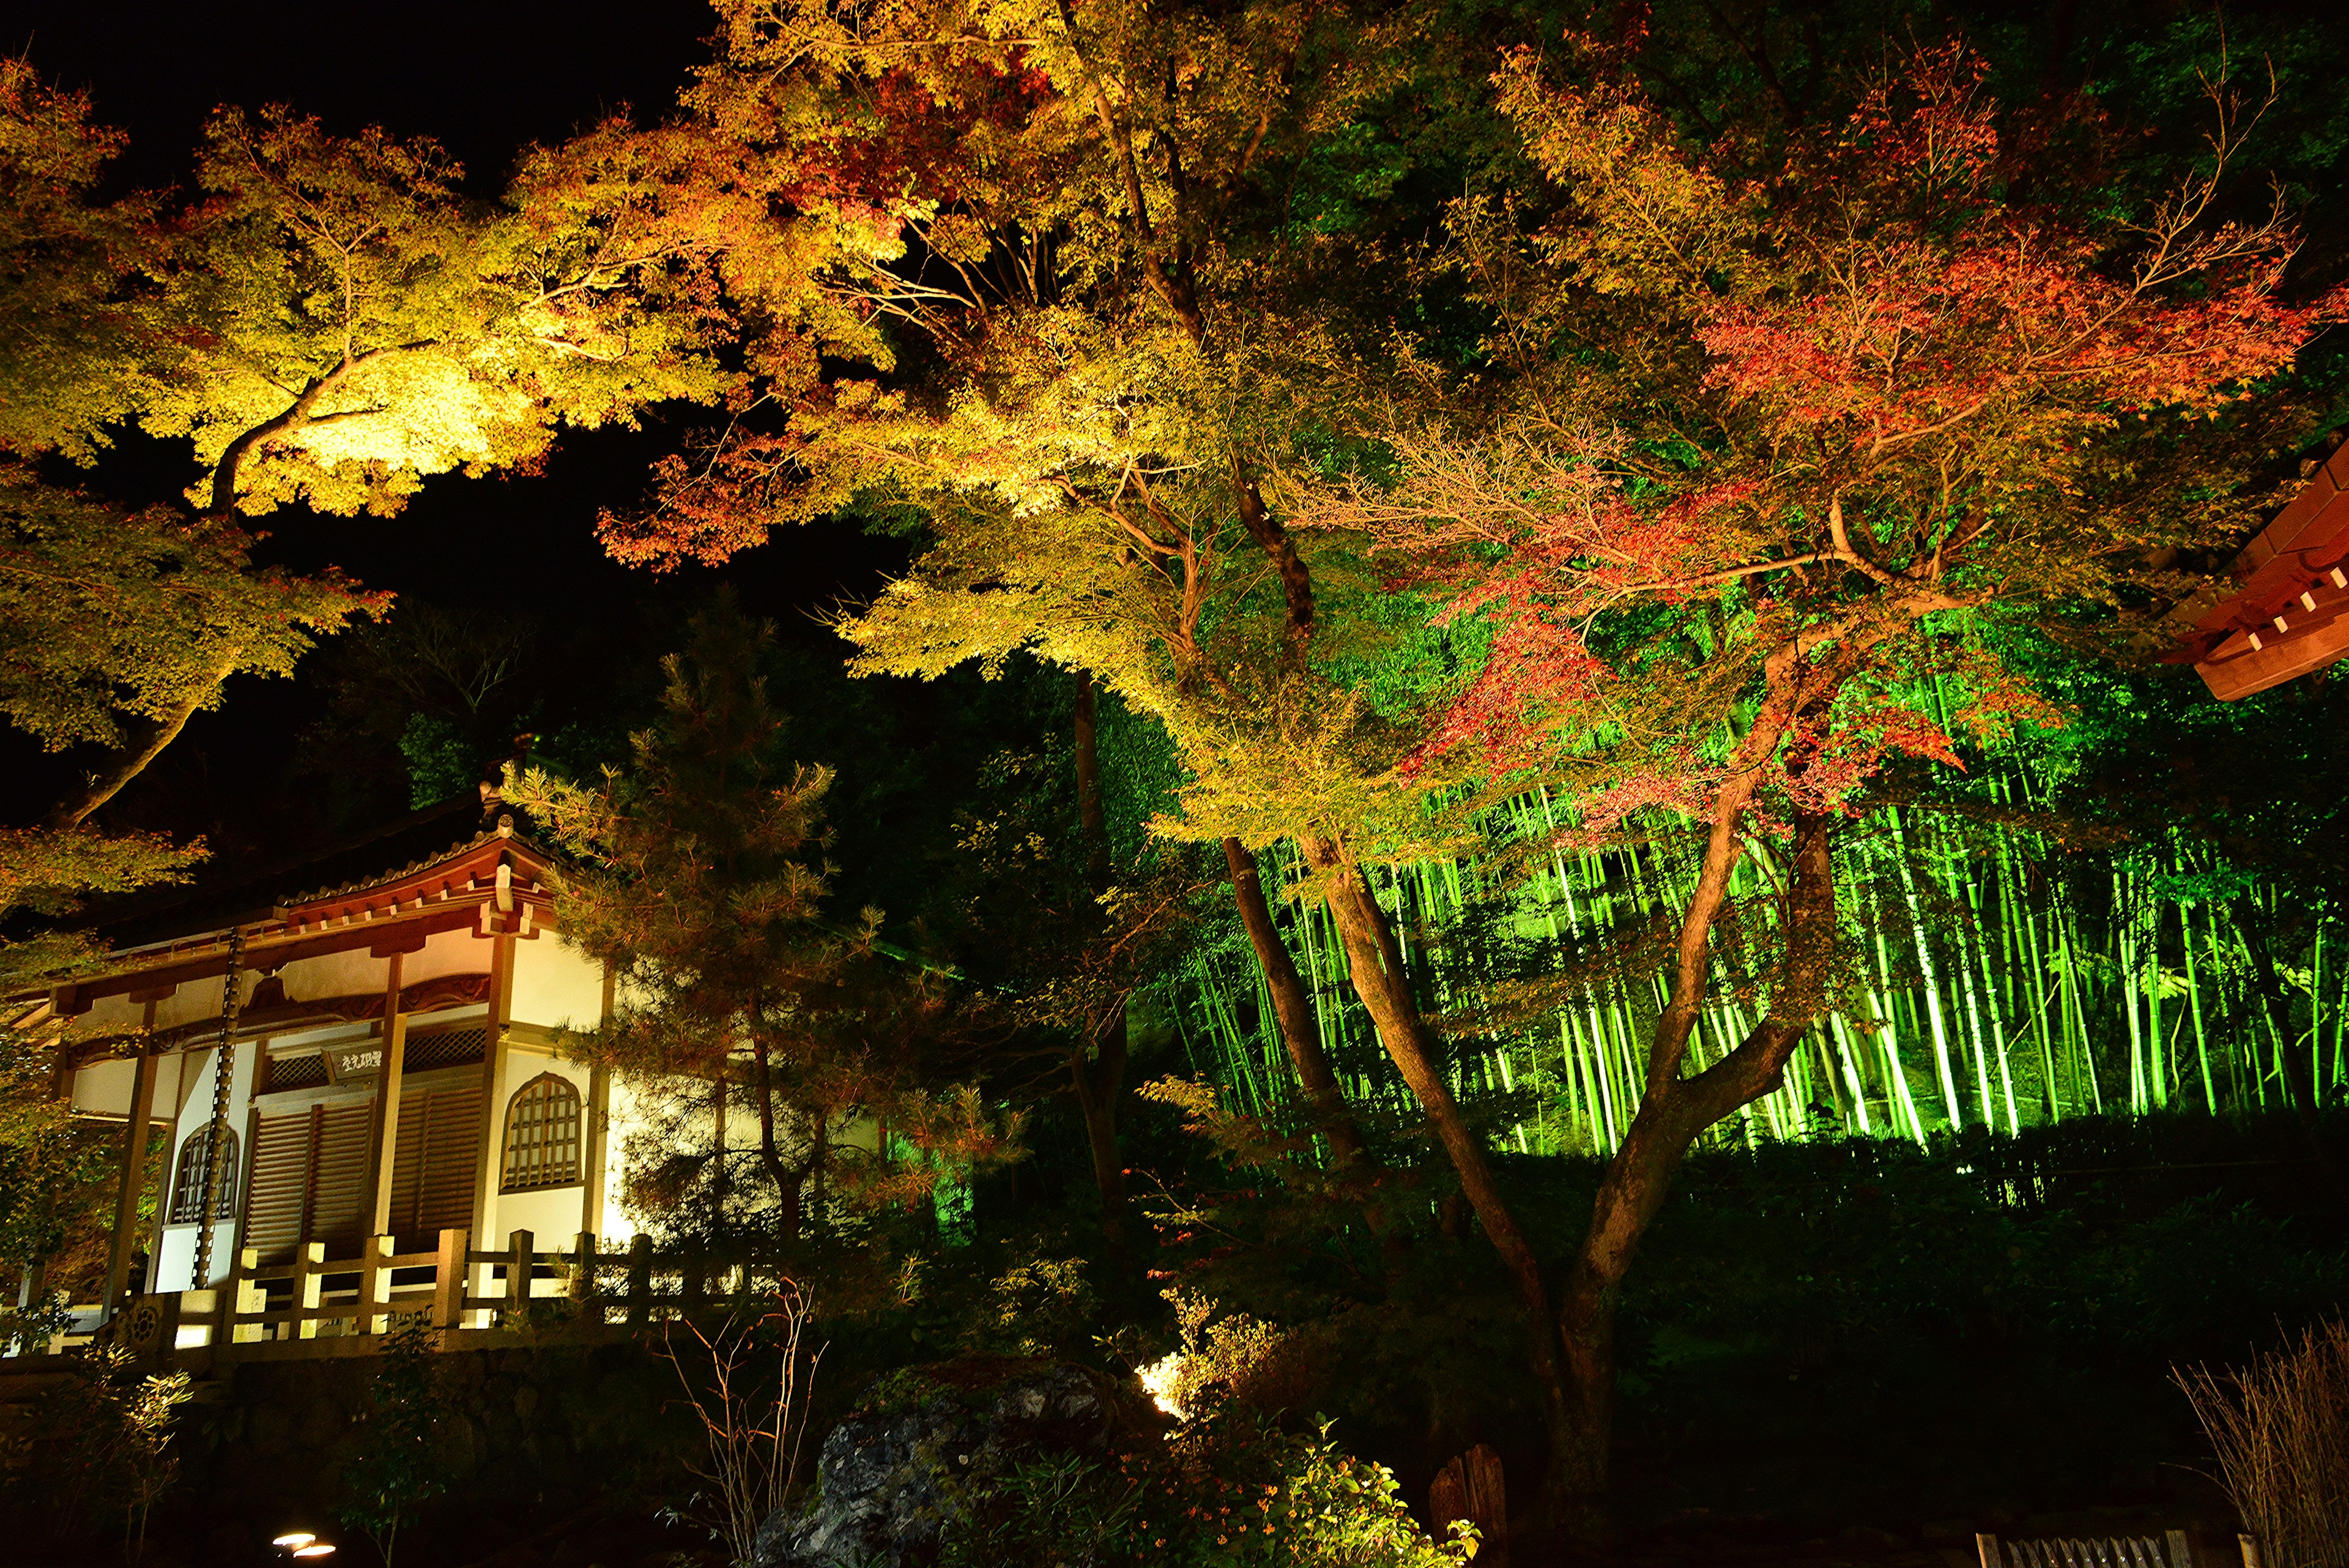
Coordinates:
(499,1216)
(354,974)
(555,984)
(195,1001)
(524,1063)
(173,1268)
(619,1225)
(462,952)
(551,1215)
(104,1088)
(358,972)
(175,1080)
(114,1015)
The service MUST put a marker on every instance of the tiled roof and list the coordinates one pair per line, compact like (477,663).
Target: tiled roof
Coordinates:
(224,894)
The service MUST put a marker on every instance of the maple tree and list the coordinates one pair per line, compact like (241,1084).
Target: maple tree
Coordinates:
(971,183)
(1766,447)
(326,321)
(1739,439)
(1063,287)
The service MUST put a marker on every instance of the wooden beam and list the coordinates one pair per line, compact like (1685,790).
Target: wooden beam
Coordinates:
(493,1076)
(598,1130)
(2255,669)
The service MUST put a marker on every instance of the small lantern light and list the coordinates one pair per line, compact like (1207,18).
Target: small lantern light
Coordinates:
(294,1540)
(316,1549)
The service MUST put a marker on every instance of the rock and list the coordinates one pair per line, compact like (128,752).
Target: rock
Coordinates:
(889,1476)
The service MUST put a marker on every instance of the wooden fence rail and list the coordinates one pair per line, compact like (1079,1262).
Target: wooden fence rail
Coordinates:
(586,1284)
(2170,1550)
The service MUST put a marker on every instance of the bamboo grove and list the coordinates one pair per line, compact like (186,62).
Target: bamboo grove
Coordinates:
(2000,981)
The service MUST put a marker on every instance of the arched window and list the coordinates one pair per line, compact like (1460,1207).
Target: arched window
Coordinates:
(187,1180)
(542,1135)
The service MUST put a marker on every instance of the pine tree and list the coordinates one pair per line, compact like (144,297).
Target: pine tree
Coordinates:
(787,1054)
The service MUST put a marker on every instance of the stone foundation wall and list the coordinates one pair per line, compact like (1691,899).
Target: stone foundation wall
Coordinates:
(530,1436)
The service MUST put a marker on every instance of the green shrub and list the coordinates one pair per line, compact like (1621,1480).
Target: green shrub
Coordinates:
(1231,1490)
(397,1466)
(102,1445)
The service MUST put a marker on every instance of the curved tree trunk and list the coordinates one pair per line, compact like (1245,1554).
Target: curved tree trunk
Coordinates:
(73,810)
(1292,1006)
(1374,965)
(1674,1112)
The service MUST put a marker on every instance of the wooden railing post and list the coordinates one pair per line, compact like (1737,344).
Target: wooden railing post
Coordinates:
(695,1289)
(640,1280)
(374,1286)
(583,1271)
(309,1281)
(449,1280)
(241,1296)
(519,1262)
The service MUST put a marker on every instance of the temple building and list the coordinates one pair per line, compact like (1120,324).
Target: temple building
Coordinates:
(358,1061)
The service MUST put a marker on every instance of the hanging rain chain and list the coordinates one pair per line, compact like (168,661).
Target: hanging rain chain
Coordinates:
(224,1077)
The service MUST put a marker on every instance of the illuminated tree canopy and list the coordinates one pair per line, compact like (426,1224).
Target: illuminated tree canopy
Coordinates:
(1710,457)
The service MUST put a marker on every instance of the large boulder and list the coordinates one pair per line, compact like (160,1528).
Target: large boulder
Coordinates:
(890,1476)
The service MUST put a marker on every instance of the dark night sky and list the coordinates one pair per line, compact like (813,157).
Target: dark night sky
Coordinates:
(485,80)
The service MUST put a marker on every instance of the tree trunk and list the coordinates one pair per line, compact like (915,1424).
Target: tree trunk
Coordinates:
(1098,1071)
(787,1182)
(1099,1080)
(1374,964)
(73,810)
(1292,1006)
(1673,1111)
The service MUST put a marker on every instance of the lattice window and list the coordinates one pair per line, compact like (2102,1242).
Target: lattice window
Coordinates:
(447,1048)
(542,1135)
(295,1072)
(188,1179)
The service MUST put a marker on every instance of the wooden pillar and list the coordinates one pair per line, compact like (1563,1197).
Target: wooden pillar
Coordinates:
(375,1285)
(449,1281)
(520,1260)
(239,1296)
(31,1290)
(640,1279)
(493,1077)
(132,1182)
(592,1153)
(309,1280)
(386,1100)
(583,1269)
(597,1133)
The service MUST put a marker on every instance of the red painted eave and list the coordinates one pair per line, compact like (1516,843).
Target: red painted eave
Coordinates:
(395,911)
(2288,614)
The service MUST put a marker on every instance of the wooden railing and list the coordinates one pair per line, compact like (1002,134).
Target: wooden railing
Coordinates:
(2170,1550)
(268,1303)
